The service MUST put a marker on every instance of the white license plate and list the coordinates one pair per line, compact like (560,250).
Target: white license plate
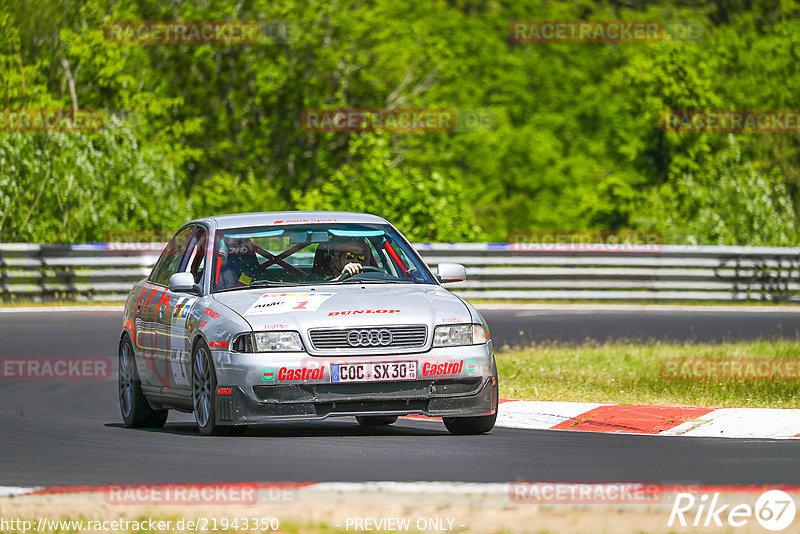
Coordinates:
(373,371)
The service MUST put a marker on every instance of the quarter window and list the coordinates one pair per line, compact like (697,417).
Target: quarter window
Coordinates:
(170,259)
(196,255)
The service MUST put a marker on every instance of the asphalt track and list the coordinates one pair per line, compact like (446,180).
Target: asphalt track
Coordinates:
(520,327)
(70,432)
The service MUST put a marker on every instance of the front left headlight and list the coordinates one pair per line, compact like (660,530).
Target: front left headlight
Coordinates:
(456,335)
(278,342)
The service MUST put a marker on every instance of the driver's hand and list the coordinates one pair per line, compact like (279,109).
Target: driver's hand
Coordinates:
(352,268)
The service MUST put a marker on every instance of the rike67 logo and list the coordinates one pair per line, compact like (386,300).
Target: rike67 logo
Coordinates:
(774,510)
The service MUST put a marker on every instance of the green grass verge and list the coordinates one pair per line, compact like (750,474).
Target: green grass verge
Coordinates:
(631,373)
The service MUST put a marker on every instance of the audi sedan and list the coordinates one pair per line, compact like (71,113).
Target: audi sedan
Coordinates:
(265,317)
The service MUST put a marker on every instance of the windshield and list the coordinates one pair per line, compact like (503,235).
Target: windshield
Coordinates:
(312,254)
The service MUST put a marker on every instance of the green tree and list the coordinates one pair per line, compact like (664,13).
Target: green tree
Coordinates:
(729,203)
(424,208)
(78,187)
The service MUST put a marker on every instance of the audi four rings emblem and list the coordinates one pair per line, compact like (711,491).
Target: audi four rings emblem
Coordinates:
(365,338)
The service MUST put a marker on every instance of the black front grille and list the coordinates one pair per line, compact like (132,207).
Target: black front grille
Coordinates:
(336,338)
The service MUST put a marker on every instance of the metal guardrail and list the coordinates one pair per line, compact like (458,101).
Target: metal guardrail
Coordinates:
(106,271)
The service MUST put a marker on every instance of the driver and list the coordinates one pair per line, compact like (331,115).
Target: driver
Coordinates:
(348,258)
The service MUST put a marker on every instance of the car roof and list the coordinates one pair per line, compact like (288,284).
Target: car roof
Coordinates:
(241,220)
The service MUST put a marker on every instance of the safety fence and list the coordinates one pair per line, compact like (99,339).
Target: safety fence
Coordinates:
(106,271)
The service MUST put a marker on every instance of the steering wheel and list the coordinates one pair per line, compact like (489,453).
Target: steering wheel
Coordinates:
(364,269)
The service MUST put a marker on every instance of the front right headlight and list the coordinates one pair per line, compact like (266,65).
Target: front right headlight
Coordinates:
(278,342)
(459,335)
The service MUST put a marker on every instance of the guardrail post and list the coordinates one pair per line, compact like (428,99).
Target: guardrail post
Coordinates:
(42,279)
(3,276)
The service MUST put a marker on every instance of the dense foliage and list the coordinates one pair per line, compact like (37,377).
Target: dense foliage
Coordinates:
(574,142)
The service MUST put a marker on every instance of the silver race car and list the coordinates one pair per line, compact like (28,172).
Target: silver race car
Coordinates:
(265,317)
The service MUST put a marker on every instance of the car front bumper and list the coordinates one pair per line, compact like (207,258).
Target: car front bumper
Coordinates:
(244,397)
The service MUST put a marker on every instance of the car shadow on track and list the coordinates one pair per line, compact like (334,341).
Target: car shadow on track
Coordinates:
(322,429)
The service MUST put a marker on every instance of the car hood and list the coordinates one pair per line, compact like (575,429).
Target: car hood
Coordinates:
(301,308)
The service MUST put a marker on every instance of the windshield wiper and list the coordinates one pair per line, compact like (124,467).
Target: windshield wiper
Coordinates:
(270,283)
(371,281)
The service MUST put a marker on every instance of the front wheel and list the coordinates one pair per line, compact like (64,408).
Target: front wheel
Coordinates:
(480,424)
(204,392)
(136,411)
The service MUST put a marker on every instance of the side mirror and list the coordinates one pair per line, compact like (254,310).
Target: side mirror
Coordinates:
(451,272)
(183,283)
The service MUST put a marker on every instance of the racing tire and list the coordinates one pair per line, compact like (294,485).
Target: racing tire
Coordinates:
(479,424)
(204,393)
(136,411)
(376,420)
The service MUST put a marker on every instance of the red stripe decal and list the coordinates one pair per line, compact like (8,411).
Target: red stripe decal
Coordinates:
(633,419)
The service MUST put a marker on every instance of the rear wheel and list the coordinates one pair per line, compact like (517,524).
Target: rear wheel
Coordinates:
(479,424)
(376,420)
(136,411)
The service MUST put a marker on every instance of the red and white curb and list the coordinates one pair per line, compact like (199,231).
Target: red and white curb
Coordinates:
(420,487)
(454,488)
(651,420)
(13,491)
